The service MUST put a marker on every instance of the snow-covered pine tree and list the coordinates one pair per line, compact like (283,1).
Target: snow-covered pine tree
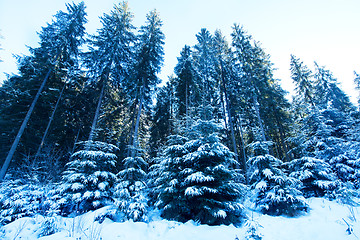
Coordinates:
(252,231)
(131,190)
(274,192)
(337,146)
(325,140)
(89,177)
(324,125)
(140,86)
(165,179)
(21,198)
(352,157)
(198,180)
(315,174)
(341,150)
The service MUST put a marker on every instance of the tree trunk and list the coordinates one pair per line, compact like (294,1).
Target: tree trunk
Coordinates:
(262,130)
(227,103)
(223,105)
(50,121)
(187,106)
(240,130)
(171,118)
(131,132)
(137,123)
(131,139)
(97,113)
(231,124)
(22,128)
(76,139)
(282,139)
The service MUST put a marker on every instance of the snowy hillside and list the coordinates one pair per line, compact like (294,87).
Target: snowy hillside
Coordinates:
(327,220)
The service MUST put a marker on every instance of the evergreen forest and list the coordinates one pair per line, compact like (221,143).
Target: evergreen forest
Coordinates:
(87,123)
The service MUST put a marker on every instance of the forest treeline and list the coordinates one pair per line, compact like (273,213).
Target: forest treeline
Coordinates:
(96,128)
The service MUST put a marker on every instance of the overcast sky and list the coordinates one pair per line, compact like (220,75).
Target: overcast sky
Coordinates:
(325,31)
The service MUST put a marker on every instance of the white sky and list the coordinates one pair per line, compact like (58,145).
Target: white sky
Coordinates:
(326,31)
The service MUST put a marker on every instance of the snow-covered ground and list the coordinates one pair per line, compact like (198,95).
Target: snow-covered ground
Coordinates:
(327,220)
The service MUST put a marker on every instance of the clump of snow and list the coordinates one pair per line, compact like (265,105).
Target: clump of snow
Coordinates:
(193,191)
(326,220)
(198,177)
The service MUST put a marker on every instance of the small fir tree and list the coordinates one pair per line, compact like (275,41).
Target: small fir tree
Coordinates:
(275,193)
(166,179)
(252,231)
(89,177)
(327,138)
(315,174)
(198,181)
(346,165)
(23,198)
(131,189)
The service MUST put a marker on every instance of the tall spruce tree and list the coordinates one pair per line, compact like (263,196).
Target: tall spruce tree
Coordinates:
(162,119)
(303,105)
(327,92)
(247,69)
(260,100)
(203,56)
(131,187)
(111,55)
(224,73)
(186,88)
(148,61)
(302,78)
(109,62)
(59,47)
